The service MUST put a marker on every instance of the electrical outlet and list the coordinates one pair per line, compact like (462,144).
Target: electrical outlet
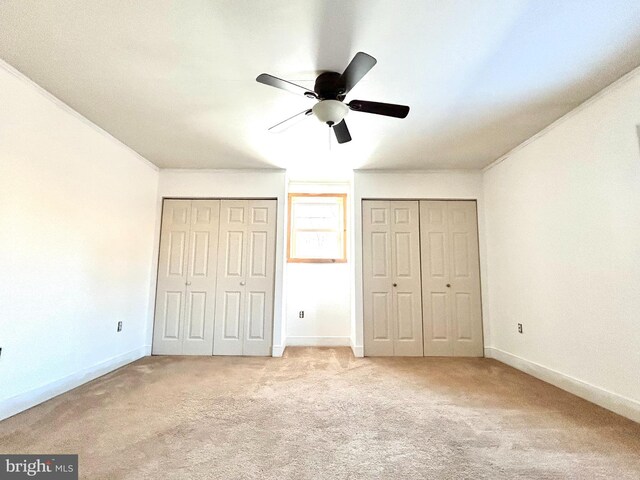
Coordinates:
(119,326)
(301,314)
(519,328)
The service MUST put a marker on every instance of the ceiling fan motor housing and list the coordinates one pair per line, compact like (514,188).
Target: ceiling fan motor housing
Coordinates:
(330,86)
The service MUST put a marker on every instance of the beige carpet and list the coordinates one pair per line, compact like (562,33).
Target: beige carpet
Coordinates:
(320,413)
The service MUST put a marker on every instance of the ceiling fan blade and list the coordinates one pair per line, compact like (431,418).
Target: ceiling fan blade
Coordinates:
(358,68)
(283,125)
(272,81)
(387,109)
(342,132)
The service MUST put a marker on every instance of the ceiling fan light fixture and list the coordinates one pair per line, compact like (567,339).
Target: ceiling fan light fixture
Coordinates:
(330,112)
(330,89)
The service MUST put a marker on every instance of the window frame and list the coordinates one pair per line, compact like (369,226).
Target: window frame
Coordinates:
(343,259)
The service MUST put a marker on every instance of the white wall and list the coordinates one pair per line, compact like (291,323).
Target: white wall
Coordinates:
(77,216)
(563,244)
(436,185)
(235,184)
(322,290)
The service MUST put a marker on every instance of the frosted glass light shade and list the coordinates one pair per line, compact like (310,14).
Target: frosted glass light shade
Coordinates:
(330,111)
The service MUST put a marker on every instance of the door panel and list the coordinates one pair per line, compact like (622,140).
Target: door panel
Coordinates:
(171,314)
(392,314)
(261,234)
(380,254)
(257,314)
(177,253)
(438,339)
(197,315)
(381,313)
(460,249)
(258,254)
(234,248)
(246,272)
(404,305)
(232,315)
(172,277)
(462,314)
(201,278)
(185,296)
(230,306)
(403,254)
(377,278)
(235,213)
(200,254)
(439,313)
(407,300)
(436,252)
(449,245)
(464,293)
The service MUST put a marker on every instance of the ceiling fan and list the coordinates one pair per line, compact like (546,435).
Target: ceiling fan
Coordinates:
(330,90)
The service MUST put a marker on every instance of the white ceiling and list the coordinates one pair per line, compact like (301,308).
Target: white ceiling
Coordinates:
(176,80)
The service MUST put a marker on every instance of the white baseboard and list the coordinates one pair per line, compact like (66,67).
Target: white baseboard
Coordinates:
(26,400)
(318,341)
(358,350)
(277,350)
(611,401)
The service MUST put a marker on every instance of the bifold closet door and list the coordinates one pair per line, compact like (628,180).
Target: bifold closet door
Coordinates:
(246,263)
(450,279)
(391,278)
(185,297)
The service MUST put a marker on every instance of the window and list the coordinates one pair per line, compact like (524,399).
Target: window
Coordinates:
(317,228)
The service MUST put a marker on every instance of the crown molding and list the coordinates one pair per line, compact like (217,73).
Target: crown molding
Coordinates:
(588,102)
(70,111)
(390,171)
(223,170)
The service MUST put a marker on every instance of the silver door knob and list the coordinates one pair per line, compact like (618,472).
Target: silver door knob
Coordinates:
(188,283)
(242,283)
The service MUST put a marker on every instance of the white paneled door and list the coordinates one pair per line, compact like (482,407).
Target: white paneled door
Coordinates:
(185,298)
(450,279)
(246,262)
(391,277)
